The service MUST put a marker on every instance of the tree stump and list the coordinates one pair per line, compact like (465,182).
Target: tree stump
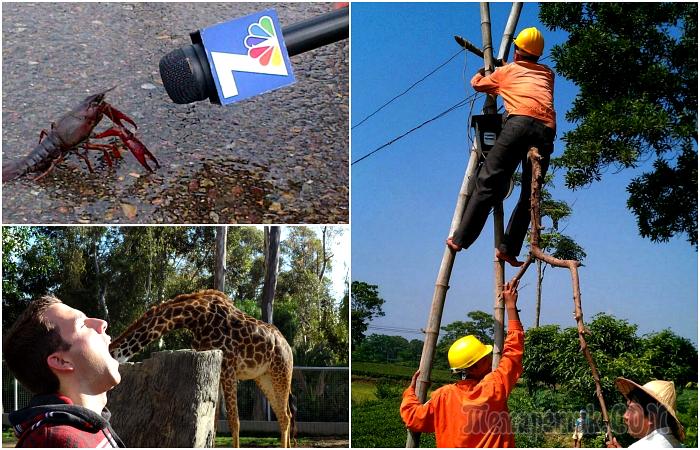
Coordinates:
(168,400)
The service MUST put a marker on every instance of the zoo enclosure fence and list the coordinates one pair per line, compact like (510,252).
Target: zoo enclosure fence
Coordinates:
(322,402)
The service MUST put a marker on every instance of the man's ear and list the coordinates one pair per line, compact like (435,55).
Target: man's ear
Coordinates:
(57,362)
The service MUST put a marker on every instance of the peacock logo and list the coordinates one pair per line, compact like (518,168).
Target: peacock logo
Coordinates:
(262,42)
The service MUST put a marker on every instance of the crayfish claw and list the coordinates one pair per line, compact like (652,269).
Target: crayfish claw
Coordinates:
(117,116)
(140,151)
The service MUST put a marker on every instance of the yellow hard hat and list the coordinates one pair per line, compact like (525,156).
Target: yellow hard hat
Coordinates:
(531,41)
(466,351)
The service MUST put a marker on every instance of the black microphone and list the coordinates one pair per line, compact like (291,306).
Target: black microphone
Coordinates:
(187,75)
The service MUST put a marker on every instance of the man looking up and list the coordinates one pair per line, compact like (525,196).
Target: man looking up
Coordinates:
(472,412)
(62,357)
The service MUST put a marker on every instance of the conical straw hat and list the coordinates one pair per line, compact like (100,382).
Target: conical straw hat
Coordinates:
(664,392)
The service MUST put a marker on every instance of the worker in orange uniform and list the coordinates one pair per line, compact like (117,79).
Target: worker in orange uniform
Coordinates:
(472,412)
(527,89)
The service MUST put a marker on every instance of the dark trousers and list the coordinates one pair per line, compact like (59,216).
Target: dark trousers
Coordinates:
(518,135)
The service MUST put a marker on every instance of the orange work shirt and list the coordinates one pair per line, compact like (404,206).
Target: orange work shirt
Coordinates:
(471,413)
(527,89)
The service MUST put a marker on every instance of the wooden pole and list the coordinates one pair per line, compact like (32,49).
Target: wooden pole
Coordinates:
(509,31)
(490,108)
(432,329)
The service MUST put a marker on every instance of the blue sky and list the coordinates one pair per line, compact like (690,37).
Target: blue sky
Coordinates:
(403,197)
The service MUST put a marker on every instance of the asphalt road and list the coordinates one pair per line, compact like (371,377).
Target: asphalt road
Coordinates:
(280,157)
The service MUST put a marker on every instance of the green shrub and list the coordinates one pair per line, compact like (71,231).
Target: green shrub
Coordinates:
(388,389)
(687,409)
(377,423)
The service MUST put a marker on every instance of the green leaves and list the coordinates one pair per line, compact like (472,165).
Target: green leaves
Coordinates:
(665,200)
(553,358)
(366,305)
(635,65)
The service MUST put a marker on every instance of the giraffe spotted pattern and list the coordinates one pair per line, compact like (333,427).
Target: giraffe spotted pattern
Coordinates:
(252,349)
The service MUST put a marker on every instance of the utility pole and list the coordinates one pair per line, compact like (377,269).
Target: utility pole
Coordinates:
(432,329)
(490,108)
(498,266)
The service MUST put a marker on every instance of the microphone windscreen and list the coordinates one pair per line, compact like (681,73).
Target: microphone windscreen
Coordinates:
(178,73)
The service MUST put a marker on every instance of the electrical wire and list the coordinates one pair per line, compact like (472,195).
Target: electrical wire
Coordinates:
(395,329)
(458,105)
(406,91)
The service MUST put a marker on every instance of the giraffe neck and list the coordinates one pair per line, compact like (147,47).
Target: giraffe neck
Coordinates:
(184,311)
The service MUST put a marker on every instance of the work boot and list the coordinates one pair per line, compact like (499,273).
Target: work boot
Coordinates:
(512,260)
(454,247)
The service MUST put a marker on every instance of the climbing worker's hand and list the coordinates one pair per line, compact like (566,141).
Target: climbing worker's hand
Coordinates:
(613,444)
(482,72)
(510,294)
(414,380)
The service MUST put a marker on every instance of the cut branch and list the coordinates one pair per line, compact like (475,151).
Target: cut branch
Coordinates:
(573,265)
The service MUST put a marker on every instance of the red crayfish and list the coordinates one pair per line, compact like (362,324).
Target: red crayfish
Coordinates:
(72,133)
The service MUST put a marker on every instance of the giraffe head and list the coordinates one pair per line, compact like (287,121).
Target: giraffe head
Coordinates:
(120,356)
(133,339)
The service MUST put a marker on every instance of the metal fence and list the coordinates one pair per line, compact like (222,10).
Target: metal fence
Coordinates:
(14,395)
(321,395)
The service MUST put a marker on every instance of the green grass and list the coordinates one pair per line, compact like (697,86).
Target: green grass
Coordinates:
(363,390)
(8,438)
(377,423)
(225,441)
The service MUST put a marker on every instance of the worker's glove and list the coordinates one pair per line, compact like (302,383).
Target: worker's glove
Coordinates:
(499,62)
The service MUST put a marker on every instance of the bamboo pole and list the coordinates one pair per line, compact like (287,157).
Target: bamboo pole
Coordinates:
(432,330)
(498,265)
(490,108)
(573,265)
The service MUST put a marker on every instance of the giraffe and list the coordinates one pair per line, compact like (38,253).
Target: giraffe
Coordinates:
(252,349)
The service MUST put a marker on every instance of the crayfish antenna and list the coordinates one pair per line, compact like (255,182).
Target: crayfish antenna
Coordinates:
(110,89)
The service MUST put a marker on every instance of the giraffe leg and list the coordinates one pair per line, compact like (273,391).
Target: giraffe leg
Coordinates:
(229,382)
(277,390)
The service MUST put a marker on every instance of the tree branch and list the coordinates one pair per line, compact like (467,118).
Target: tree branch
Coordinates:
(573,265)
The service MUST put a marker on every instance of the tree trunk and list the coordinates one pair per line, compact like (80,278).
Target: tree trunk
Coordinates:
(101,285)
(167,400)
(272,247)
(220,269)
(324,258)
(538,293)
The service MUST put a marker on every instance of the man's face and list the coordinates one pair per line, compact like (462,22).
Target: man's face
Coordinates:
(638,426)
(94,371)
(482,367)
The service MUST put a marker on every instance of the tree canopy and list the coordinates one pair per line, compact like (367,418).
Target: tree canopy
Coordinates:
(366,305)
(635,65)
